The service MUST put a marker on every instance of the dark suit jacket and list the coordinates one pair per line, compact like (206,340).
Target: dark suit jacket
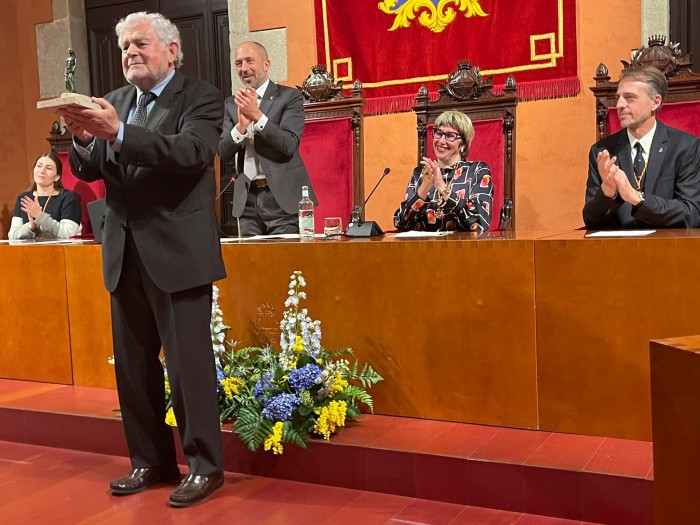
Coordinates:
(161,185)
(671,184)
(277,147)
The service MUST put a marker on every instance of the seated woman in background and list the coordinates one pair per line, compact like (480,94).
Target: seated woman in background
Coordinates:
(47,210)
(449,193)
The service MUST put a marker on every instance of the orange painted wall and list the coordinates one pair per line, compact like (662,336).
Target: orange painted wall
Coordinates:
(553,136)
(23,129)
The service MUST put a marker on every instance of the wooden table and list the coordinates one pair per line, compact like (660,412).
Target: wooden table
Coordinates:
(527,329)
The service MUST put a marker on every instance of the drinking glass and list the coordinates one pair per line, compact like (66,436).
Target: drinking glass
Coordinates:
(332,227)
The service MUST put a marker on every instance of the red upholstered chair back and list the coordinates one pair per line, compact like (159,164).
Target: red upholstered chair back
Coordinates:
(681,109)
(332,145)
(681,115)
(493,117)
(327,149)
(88,191)
(61,143)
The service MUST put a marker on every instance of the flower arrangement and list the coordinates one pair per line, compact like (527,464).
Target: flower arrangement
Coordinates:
(285,396)
(303,389)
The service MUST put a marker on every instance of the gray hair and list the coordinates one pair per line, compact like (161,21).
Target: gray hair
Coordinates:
(165,30)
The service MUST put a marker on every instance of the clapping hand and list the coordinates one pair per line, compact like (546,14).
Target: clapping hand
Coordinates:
(607,170)
(30,207)
(431,177)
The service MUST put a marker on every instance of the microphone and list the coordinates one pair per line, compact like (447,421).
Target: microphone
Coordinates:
(233,179)
(360,228)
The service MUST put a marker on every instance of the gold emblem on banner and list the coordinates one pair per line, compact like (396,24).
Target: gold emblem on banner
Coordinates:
(435,15)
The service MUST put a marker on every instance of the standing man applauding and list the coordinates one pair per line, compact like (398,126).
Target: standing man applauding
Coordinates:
(262,128)
(153,143)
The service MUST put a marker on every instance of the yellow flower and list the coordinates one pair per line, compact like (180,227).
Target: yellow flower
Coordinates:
(274,441)
(338,385)
(167,387)
(170,417)
(330,418)
(232,386)
(298,345)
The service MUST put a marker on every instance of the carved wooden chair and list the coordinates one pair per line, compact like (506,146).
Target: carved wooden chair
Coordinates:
(681,109)
(493,116)
(60,142)
(332,145)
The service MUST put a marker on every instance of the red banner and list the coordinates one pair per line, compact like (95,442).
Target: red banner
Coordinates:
(395,46)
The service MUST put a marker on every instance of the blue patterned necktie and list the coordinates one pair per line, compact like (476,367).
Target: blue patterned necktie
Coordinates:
(139,118)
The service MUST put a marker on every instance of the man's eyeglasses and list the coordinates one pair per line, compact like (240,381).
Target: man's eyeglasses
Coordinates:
(450,136)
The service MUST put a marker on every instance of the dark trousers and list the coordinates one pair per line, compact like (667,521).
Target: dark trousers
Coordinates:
(144,318)
(263,216)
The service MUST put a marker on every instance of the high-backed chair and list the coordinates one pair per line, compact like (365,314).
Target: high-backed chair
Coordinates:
(493,116)
(61,142)
(681,109)
(332,145)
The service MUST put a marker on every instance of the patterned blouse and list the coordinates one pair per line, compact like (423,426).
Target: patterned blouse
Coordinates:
(468,208)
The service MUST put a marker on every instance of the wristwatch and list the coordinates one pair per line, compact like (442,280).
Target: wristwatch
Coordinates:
(642,200)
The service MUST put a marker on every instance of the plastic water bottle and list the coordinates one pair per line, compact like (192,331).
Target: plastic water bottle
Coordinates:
(306,216)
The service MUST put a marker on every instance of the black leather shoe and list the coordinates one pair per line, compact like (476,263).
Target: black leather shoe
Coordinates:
(195,489)
(140,479)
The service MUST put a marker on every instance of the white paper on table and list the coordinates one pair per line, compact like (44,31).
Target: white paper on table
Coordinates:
(32,242)
(287,236)
(417,234)
(621,233)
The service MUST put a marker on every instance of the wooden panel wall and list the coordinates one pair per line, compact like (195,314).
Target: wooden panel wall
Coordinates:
(90,325)
(675,398)
(34,315)
(450,324)
(599,302)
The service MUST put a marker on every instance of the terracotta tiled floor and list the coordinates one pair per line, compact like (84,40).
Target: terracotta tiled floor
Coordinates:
(389,459)
(48,485)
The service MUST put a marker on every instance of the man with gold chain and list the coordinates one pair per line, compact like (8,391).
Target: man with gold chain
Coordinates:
(648,174)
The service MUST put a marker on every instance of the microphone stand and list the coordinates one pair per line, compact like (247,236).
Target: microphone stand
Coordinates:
(228,184)
(360,228)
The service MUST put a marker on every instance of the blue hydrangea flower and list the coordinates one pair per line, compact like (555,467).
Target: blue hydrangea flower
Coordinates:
(280,407)
(303,378)
(262,385)
(219,378)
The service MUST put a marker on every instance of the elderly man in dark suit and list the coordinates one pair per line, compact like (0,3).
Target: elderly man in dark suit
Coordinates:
(648,174)
(153,143)
(263,124)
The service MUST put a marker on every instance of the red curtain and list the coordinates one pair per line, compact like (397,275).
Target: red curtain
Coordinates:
(327,149)
(88,191)
(535,41)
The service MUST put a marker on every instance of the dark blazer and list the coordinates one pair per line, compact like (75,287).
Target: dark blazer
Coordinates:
(671,184)
(277,147)
(161,185)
